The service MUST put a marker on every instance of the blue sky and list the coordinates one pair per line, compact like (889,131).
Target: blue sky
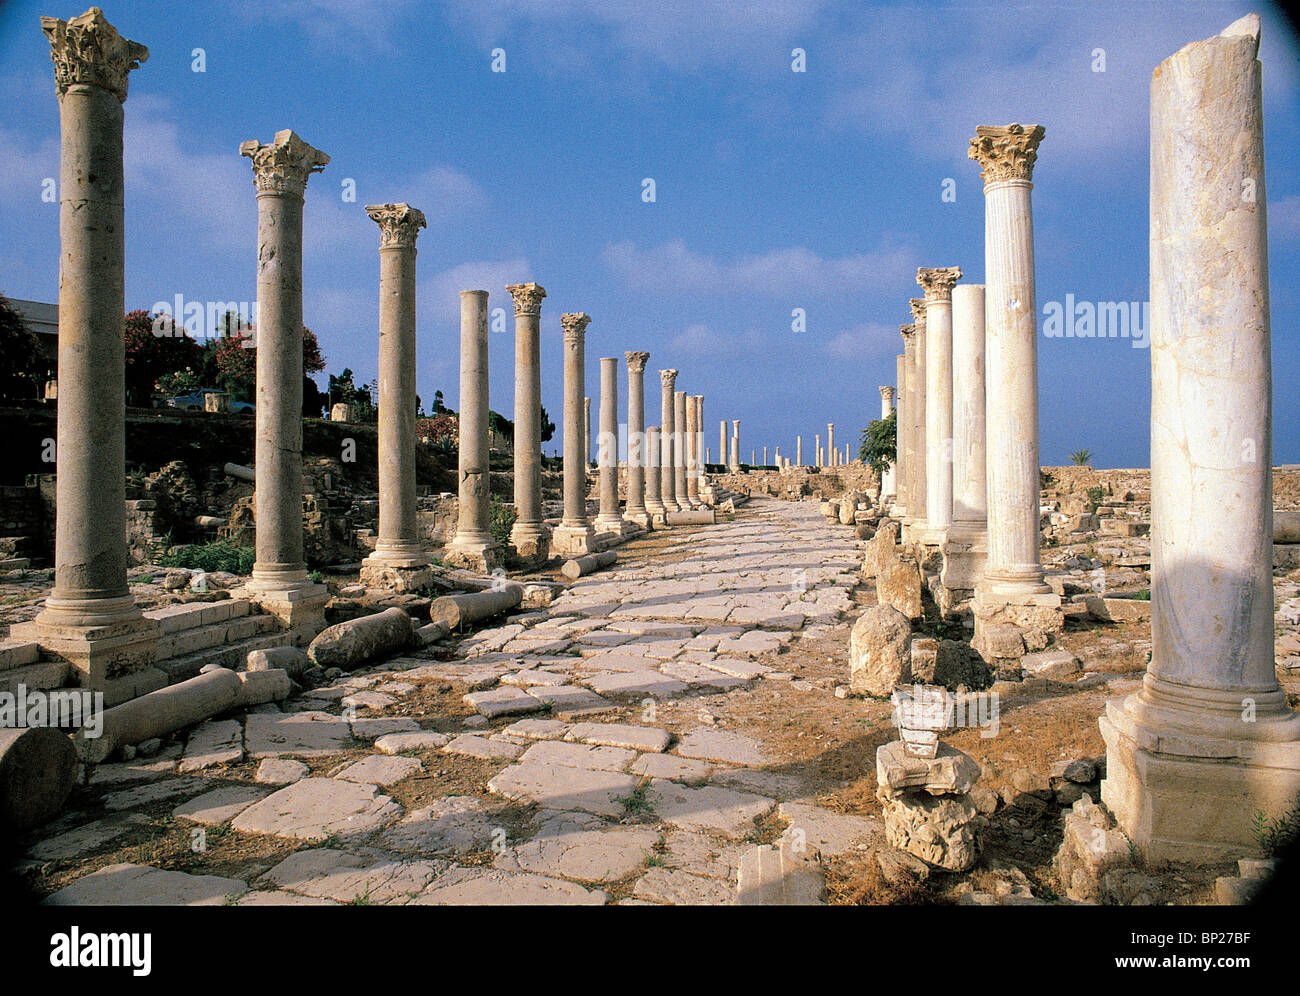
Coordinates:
(774,190)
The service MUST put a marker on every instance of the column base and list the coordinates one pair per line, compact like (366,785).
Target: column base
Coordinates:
(640,518)
(1186,777)
(530,544)
(615,524)
(110,646)
(378,571)
(574,541)
(1009,626)
(965,556)
(475,553)
(300,607)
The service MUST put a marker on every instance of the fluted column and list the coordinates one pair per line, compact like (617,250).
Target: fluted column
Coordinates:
(938,284)
(608,520)
(575,536)
(888,490)
(529,535)
(637,510)
(90,618)
(398,549)
(1209,743)
(667,476)
(473,545)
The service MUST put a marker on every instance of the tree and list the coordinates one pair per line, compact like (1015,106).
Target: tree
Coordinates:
(155,346)
(439,407)
(1081,458)
(548,427)
(879,446)
(22,366)
(233,361)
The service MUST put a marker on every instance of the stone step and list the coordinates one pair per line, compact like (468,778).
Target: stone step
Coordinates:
(42,675)
(15,564)
(230,655)
(192,615)
(18,653)
(217,634)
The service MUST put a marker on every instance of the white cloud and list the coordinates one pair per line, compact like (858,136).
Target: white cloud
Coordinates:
(865,343)
(439,294)
(356,28)
(675,268)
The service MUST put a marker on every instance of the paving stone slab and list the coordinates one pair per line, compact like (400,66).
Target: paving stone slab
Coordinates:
(367,878)
(85,839)
(570,702)
(557,786)
(141,885)
(219,806)
(779,876)
(736,667)
(275,897)
(217,741)
(537,729)
(644,739)
(709,744)
(529,678)
(503,702)
(699,854)
(826,832)
(579,755)
(397,743)
(453,825)
(674,887)
(709,808)
(151,792)
(381,770)
(374,727)
(493,887)
(280,771)
(140,770)
(636,683)
(315,809)
(296,734)
(472,745)
(671,767)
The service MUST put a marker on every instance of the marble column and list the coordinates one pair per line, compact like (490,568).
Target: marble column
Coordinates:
(667,477)
(898,509)
(529,536)
(966,551)
(586,431)
(798,451)
(609,520)
(399,560)
(637,510)
(690,437)
(90,618)
(888,490)
(735,446)
(701,453)
(653,500)
(679,451)
(473,545)
(280,581)
(1209,741)
(916,502)
(906,423)
(722,442)
(938,284)
(575,537)
(817,448)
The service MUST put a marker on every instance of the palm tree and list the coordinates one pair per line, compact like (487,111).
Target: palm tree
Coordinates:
(1081,458)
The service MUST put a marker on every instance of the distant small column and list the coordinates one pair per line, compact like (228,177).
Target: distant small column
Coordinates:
(679,451)
(575,536)
(653,503)
(667,476)
(798,451)
(691,439)
(916,497)
(735,446)
(938,284)
(722,442)
(586,431)
(637,510)
(608,520)
(887,487)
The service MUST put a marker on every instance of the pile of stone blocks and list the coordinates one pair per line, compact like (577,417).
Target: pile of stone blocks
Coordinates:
(924,784)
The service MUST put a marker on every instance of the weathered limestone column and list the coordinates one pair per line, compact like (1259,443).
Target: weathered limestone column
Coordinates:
(818,447)
(722,442)
(735,446)
(690,439)
(637,510)
(473,545)
(529,536)
(90,618)
(888,490)
(966,551)
(701,453)
(916,497)
(938,284)
(586,431)
(1209,741)
(1012,590)
(280,582)
(667,476)
(575,536)
(609,520)
(653,503)
(830,444)
(764,456)
(902,434)
(399,560)
(798,451)
(679,451)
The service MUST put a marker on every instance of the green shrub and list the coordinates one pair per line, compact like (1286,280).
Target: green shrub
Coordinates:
(501,522)
(1273,835)
(219,555)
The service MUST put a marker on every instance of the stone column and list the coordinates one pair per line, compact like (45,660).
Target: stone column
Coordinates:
(667,477)
(938,284)
(529,536)
(586,431)
(399,560)
(690,439)
(609,520)
(701,453)
(280,582)
(575,537)
(474,546)
(798,451)
(1209,741)
(966,552)
(653,503)
(888,489)
(722,442)
(916,499)
(637,510)
(679,451)
(90,618)
(906,473)
(735,446)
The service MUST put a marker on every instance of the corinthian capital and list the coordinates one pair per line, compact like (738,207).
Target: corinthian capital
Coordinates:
(907,331)
(636,361)
(1006,152)
(528,298)
(284,166)
(668,378)
(399,224)
(917,304)
(575,326)
(887,393)
(89,50)
(938,283)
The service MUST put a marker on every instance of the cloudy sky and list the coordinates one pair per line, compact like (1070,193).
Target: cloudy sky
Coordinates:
(774,190)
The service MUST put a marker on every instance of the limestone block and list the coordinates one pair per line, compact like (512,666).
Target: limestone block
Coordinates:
(900,587)
(949,772)
(37,769)
(454,611)
(348,644)
(943,831)
(879,651)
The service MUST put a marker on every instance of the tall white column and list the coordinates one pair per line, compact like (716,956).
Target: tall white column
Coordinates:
(735,446)
(966,552)
(722,442)
(679,451)
(608,520)
(830,444)
(575,536)
(902,433)
(1209,741)
(938,284)
(798,451)
(654,455)
(888,490)
(529,536)
(637,510)
(916,498)
(667,427)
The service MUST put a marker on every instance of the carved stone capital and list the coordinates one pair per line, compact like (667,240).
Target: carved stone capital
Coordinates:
(88,50)
(1006,152)
(907,331)
(938,282)
(887,393)
(917,304)
(399,224)
(284,166)
(528,298)
(668,378)
(636,361)
(575,326)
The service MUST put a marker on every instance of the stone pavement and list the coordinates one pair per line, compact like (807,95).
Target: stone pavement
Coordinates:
(590,797)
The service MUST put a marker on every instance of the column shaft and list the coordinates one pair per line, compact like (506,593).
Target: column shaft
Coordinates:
(529,533)
(609,519)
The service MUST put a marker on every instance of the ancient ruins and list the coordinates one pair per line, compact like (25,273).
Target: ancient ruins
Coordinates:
(661,674)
